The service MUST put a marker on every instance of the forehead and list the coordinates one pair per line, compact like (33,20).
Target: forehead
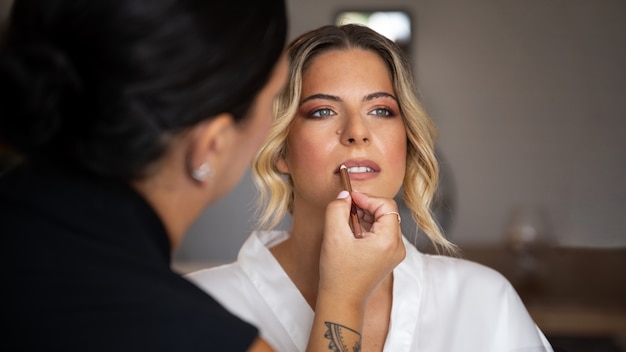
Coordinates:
(346,67)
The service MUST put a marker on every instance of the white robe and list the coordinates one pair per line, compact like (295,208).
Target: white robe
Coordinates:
(439,303)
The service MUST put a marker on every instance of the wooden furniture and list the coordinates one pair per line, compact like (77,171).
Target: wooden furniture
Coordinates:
(568,291)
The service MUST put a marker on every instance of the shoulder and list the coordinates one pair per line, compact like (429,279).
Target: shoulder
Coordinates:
(472,289)
(229,286)
(218,278)
(463,274)
(464,283)
(478,302)
(248,296)
(199,321)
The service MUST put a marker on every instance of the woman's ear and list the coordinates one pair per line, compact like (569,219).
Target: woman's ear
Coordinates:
(209,142)
(281,164)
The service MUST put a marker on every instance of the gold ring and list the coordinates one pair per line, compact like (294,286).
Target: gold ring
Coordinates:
(391,213)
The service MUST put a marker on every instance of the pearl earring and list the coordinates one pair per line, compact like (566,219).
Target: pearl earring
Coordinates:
(202,172)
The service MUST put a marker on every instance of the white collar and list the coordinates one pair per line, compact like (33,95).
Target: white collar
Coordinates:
(296,315)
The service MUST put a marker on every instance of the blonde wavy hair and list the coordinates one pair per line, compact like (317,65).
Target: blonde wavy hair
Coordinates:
(422,169)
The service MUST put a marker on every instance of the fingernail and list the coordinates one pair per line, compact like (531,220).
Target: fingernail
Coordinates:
(343,194)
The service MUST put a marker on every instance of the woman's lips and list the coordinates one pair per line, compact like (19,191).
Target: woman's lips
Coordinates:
(361,169)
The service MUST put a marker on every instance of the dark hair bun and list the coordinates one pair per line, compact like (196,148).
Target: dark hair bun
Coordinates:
(37,83)
(103,86)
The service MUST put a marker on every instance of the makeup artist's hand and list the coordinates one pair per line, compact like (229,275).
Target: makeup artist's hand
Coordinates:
(351,268)
(355,267)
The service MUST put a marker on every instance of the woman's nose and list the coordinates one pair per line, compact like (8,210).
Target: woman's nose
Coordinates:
(355,131)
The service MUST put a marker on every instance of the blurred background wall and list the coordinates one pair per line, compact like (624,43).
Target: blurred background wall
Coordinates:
(530,100)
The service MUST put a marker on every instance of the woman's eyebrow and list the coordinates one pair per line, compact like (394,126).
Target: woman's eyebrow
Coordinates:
(321,96)
(379,95)
(368,97)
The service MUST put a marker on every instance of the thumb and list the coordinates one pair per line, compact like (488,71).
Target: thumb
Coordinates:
(338,213)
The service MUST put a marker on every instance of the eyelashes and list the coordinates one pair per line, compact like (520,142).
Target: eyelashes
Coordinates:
(323,113)
(382,112)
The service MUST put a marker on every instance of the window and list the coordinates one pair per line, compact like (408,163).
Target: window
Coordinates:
(395,25)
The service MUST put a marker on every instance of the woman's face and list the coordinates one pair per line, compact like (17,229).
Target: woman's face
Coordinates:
(253,131)
(348,114)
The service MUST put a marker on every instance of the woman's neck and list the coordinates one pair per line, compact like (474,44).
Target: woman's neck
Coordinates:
(173,196)
(299,254)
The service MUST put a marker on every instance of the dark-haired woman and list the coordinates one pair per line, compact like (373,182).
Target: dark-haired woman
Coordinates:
(131,117)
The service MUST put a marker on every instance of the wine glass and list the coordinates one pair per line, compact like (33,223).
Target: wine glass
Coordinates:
(525,233)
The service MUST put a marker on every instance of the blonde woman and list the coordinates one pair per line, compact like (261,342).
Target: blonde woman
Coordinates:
(350,100)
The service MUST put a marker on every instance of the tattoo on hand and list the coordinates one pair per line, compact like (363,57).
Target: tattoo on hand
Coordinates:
(342,338)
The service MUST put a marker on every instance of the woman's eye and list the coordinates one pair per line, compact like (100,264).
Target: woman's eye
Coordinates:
(322,113)
(381,112)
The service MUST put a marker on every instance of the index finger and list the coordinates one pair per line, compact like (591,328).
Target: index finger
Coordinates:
(378,207)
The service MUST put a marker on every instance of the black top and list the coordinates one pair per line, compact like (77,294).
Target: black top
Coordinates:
(86,267)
